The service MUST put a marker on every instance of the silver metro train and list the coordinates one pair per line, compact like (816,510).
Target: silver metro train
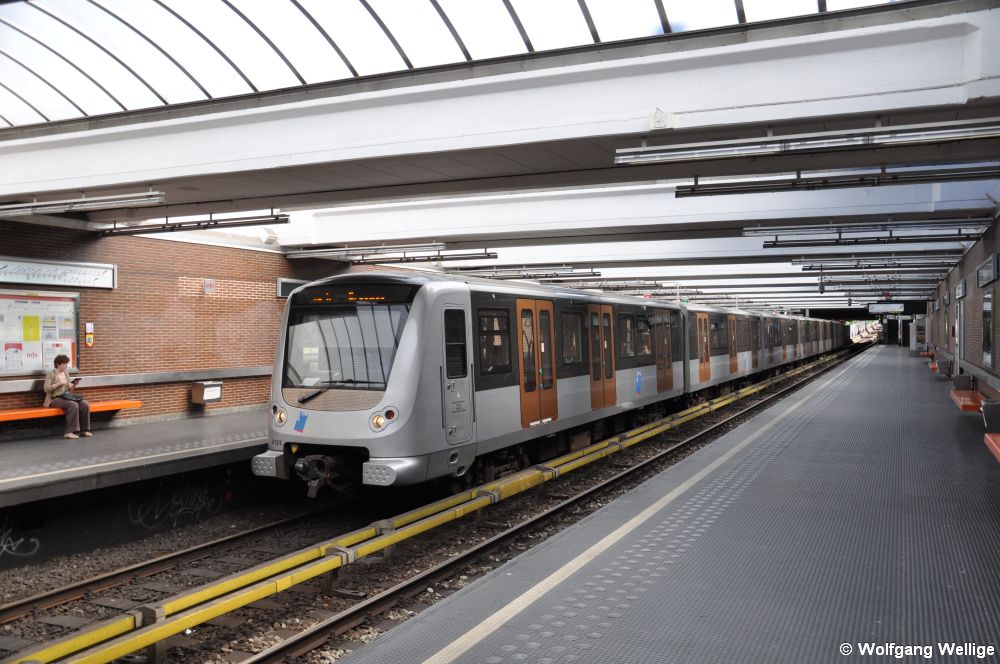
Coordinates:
(395,379)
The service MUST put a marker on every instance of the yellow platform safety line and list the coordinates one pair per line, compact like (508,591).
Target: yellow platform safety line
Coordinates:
(263,571)
(76,642)
(226,595)
(148,635)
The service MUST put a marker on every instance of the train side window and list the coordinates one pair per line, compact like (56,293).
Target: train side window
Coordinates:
(494,341)
(692,337)
(545,349)
(644,337)
(676,336)
(595,346)
(626,339)
(528,349)
(609,371)
(719,335)
(742,334)
(454,344)
(572,337)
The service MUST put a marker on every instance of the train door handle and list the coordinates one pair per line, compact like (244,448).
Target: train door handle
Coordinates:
(451,431)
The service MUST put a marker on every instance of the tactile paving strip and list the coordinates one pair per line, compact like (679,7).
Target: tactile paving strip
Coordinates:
(867,513)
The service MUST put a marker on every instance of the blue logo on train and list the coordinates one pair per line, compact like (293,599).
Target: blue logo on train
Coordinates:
(300,423)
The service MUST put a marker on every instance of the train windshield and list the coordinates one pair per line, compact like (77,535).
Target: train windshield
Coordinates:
(350,347)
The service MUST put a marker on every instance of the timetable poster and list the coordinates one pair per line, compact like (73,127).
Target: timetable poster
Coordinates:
(34,328)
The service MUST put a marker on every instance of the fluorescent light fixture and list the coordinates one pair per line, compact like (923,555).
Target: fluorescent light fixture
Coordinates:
(428,258)
(195,225)
(350,253)
(83,204)
(858,139)
(839,179)
(872,239)
(817,260)
(543,274)
(431,252)
(517,269)
(976,223)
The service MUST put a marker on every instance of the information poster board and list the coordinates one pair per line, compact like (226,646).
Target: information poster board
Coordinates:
(34,328)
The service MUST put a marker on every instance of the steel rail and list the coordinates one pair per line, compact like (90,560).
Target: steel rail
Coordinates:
(52,598)
(317,635)
(115,637)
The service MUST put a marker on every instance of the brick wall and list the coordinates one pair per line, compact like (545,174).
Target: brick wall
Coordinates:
(160,319)
(972,307)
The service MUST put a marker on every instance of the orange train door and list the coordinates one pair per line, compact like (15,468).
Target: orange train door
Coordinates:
(734,364)
(602,365)
(538,378)
(704,350)
(664,359)
(755,341)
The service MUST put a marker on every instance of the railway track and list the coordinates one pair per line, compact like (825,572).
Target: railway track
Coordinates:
(59,596)
(321,633)
(181,615)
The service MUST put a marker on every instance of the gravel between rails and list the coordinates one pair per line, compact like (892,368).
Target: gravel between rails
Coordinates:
(270,621)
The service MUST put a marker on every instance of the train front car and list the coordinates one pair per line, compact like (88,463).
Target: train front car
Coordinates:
(364,389)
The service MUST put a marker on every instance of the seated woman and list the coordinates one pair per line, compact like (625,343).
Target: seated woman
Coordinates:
(57,387)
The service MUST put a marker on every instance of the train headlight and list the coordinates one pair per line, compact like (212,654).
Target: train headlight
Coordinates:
(280,416)
(381,420)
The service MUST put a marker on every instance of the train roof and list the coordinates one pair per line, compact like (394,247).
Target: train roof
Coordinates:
(515,286)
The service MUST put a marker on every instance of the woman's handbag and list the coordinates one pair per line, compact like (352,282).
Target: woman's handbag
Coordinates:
(72,396)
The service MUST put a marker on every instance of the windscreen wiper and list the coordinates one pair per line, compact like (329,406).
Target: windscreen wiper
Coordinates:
(330,384)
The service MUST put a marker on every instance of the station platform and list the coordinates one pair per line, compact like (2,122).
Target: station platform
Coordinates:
(36,469)
(858,516)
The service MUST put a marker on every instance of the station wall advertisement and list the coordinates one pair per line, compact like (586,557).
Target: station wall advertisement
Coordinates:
(34,328)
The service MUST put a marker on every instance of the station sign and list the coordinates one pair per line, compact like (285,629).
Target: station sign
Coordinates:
(57,273)
(885,308)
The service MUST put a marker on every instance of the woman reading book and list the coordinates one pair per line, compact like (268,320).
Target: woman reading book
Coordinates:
(59,392)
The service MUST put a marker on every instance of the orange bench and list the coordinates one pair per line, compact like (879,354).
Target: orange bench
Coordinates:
(34,413)
(967,399)
(992,441)
(927,353)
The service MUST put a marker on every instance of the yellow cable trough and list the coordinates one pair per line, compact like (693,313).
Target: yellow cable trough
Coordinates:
(111,639)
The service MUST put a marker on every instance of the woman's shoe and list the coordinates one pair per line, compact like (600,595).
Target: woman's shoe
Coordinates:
(71,436)
(86,434)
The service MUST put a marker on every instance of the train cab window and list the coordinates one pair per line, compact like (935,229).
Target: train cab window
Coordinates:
(595,346)
(528,349)
(350,346)
(644,337)
(626,338)
(494,341)
(454,344)
(572,338)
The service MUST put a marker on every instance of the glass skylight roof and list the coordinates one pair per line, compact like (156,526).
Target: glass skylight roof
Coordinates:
(62,59)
